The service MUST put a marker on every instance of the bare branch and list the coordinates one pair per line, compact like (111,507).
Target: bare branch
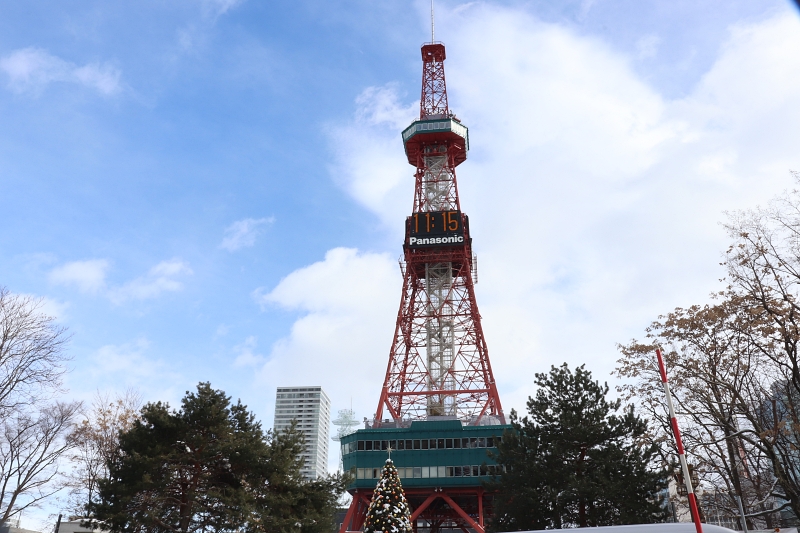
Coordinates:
(97,444)
(31,352)
(30,448)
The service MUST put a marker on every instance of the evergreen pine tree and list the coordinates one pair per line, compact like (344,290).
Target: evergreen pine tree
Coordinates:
(576,460)
(388,511)
(210,467)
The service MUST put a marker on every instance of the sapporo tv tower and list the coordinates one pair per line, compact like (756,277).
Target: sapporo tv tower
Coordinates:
(439,411)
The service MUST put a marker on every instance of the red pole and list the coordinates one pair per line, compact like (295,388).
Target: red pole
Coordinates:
(679,443)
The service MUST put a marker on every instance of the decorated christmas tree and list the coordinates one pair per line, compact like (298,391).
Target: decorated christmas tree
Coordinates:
(388,512)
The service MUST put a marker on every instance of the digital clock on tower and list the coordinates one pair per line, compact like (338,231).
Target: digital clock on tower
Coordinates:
(435,228)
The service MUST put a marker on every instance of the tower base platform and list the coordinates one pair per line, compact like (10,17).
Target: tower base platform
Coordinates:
(435,510)
(442,465)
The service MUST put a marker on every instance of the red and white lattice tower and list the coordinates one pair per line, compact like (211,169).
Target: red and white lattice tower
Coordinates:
(439,362)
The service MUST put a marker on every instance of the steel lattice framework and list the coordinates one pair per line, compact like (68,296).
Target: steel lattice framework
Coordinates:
(439,362)
(442,510)
(434,89)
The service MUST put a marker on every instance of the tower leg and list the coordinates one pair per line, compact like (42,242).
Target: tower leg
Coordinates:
(356,513)
(361,513)
(457,508)
(349,516)
(480,508)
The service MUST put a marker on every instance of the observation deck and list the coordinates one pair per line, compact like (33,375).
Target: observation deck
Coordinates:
(427,454)
(445,130)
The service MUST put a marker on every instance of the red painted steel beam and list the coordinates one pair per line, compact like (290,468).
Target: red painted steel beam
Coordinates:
(355,513)
(480,508)
(424,505)
(469,387)
(361,515)
(474,525)
(432,392)
(349,516)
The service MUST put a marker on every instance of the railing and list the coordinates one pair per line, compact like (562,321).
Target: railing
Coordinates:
(435,126)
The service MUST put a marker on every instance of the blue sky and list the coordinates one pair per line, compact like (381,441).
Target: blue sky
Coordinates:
(215,189)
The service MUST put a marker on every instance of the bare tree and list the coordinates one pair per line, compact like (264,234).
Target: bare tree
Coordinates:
(97,444)
(764,266)
(30,448)
(34,431)
(736,364)
(720,379)
(31,352)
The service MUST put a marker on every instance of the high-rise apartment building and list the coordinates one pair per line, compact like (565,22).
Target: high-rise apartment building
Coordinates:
(311,408)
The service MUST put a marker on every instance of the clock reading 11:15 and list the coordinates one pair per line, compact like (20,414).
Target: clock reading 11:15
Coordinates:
(434,229)
(435,223)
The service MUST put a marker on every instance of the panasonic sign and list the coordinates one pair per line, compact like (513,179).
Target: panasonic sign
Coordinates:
(428,241)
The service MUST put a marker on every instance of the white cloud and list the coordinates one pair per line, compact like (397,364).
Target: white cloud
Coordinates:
(348,304)
(594,200)
(32,69)
(102,77)
(243,233)
(246,355)
(130,365)
(89,276)
(378,174)
(647,46)
(334,282)
(586,6)
(164,277)
(125,359)
(195,34)
(220,7)
(50,307)
(54,308)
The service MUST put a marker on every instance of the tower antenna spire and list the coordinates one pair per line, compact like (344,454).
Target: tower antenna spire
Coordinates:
(433,26)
